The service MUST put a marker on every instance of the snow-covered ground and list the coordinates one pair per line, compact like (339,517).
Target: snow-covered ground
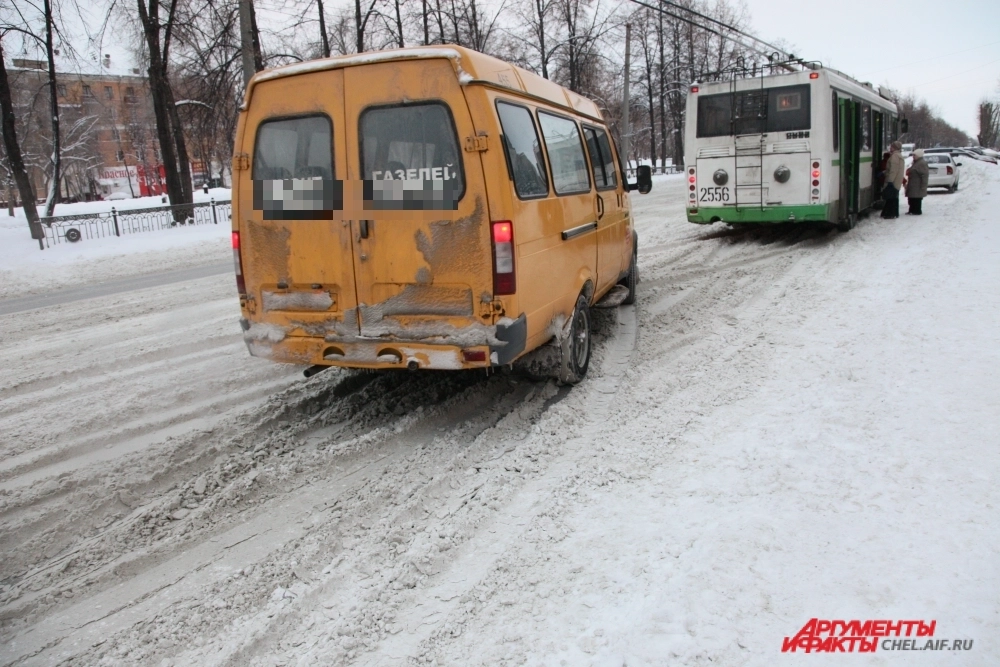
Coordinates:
(790,424)
(25,269)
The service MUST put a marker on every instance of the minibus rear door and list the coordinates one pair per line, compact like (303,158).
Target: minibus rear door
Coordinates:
(295,246)
(422,253)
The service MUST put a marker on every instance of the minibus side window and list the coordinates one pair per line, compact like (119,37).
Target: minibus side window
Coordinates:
(410,158)
(524,151)
(601,159)
(566,159)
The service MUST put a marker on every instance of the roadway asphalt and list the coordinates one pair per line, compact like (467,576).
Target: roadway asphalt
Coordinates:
(45,300)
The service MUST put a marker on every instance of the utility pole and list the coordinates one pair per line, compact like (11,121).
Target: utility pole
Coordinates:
(246,40)
(625,95)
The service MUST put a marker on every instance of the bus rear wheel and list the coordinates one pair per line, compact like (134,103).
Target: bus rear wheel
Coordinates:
(848,224)
(575,348)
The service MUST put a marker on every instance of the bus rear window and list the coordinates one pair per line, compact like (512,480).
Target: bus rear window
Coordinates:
(783,109)
(410,158)
(293,176)
(294,148)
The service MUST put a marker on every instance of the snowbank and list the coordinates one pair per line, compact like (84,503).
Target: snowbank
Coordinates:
(24,269)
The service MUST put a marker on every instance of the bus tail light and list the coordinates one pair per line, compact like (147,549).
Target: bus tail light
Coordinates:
(241,285)
(504,280)
(692,186)
(816,173)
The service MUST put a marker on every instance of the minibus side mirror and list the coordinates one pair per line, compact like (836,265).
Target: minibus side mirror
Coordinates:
(904,125)
(643,179)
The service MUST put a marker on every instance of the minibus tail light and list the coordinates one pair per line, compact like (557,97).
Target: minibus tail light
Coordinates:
(504,281)
(241,285)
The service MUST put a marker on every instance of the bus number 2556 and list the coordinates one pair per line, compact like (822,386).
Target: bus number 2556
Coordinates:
(714,194)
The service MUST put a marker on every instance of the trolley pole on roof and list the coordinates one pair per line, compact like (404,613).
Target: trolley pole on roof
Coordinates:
(625,94)
(246,41)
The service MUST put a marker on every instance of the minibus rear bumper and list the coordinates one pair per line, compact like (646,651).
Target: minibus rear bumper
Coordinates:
(384,353)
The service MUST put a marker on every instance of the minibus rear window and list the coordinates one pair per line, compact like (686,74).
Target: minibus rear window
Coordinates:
(293,176)
(410,158)
(569,166)
(294,148)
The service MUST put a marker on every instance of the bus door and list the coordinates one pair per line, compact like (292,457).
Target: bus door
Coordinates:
(422,253)
(296,250)
(749,114)
(850,155)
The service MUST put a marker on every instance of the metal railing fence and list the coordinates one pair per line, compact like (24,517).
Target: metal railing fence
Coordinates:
(74,228)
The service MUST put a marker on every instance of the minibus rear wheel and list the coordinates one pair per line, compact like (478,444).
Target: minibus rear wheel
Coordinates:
(576,346)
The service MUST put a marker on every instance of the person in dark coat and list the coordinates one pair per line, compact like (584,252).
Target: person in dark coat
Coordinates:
(916,186)
(894,170)
(880,175)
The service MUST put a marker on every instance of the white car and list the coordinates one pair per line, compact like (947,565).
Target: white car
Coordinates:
(943,171)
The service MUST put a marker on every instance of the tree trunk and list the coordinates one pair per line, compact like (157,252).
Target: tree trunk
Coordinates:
(427,32)
(187,196)
(52,198)
(159,88)
(324,39)
(15,158)
(540,7)
(358,25)
(440,22)
(399,25)
(258,56)
(662,82)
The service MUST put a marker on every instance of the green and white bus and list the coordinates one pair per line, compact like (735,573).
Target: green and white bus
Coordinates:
(796,146)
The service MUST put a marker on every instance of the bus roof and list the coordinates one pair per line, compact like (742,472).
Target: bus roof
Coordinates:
(471,67)
(834,78)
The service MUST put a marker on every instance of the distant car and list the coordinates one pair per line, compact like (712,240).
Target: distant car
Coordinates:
(943,171)
(908,149)
(977,153)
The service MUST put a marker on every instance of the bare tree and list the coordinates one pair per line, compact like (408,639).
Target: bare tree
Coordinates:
(45,40)
(158,32)
(13,154)
(989,124)
(361,21)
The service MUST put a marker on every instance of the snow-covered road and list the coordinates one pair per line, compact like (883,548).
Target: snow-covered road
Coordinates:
(792,423)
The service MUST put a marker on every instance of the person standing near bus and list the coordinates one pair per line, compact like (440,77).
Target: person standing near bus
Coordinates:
(916,186)
(893,181)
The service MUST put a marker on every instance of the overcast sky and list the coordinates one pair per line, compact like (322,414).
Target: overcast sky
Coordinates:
(945,51)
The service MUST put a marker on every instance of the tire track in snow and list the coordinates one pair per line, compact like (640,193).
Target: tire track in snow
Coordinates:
(442,593)
(198,566)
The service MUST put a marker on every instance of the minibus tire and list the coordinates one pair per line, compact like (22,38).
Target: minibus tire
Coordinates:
(633,276)
(575,348)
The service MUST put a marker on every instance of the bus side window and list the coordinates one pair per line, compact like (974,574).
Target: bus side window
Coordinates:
(602,163)
(609,160)
(836,123)
(866,128)
(524,151)
(565,149)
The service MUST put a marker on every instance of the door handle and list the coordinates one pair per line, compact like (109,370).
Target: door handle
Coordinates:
(363,228)
(600,207)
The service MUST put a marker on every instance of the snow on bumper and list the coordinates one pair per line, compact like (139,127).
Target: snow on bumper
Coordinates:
(507,342)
